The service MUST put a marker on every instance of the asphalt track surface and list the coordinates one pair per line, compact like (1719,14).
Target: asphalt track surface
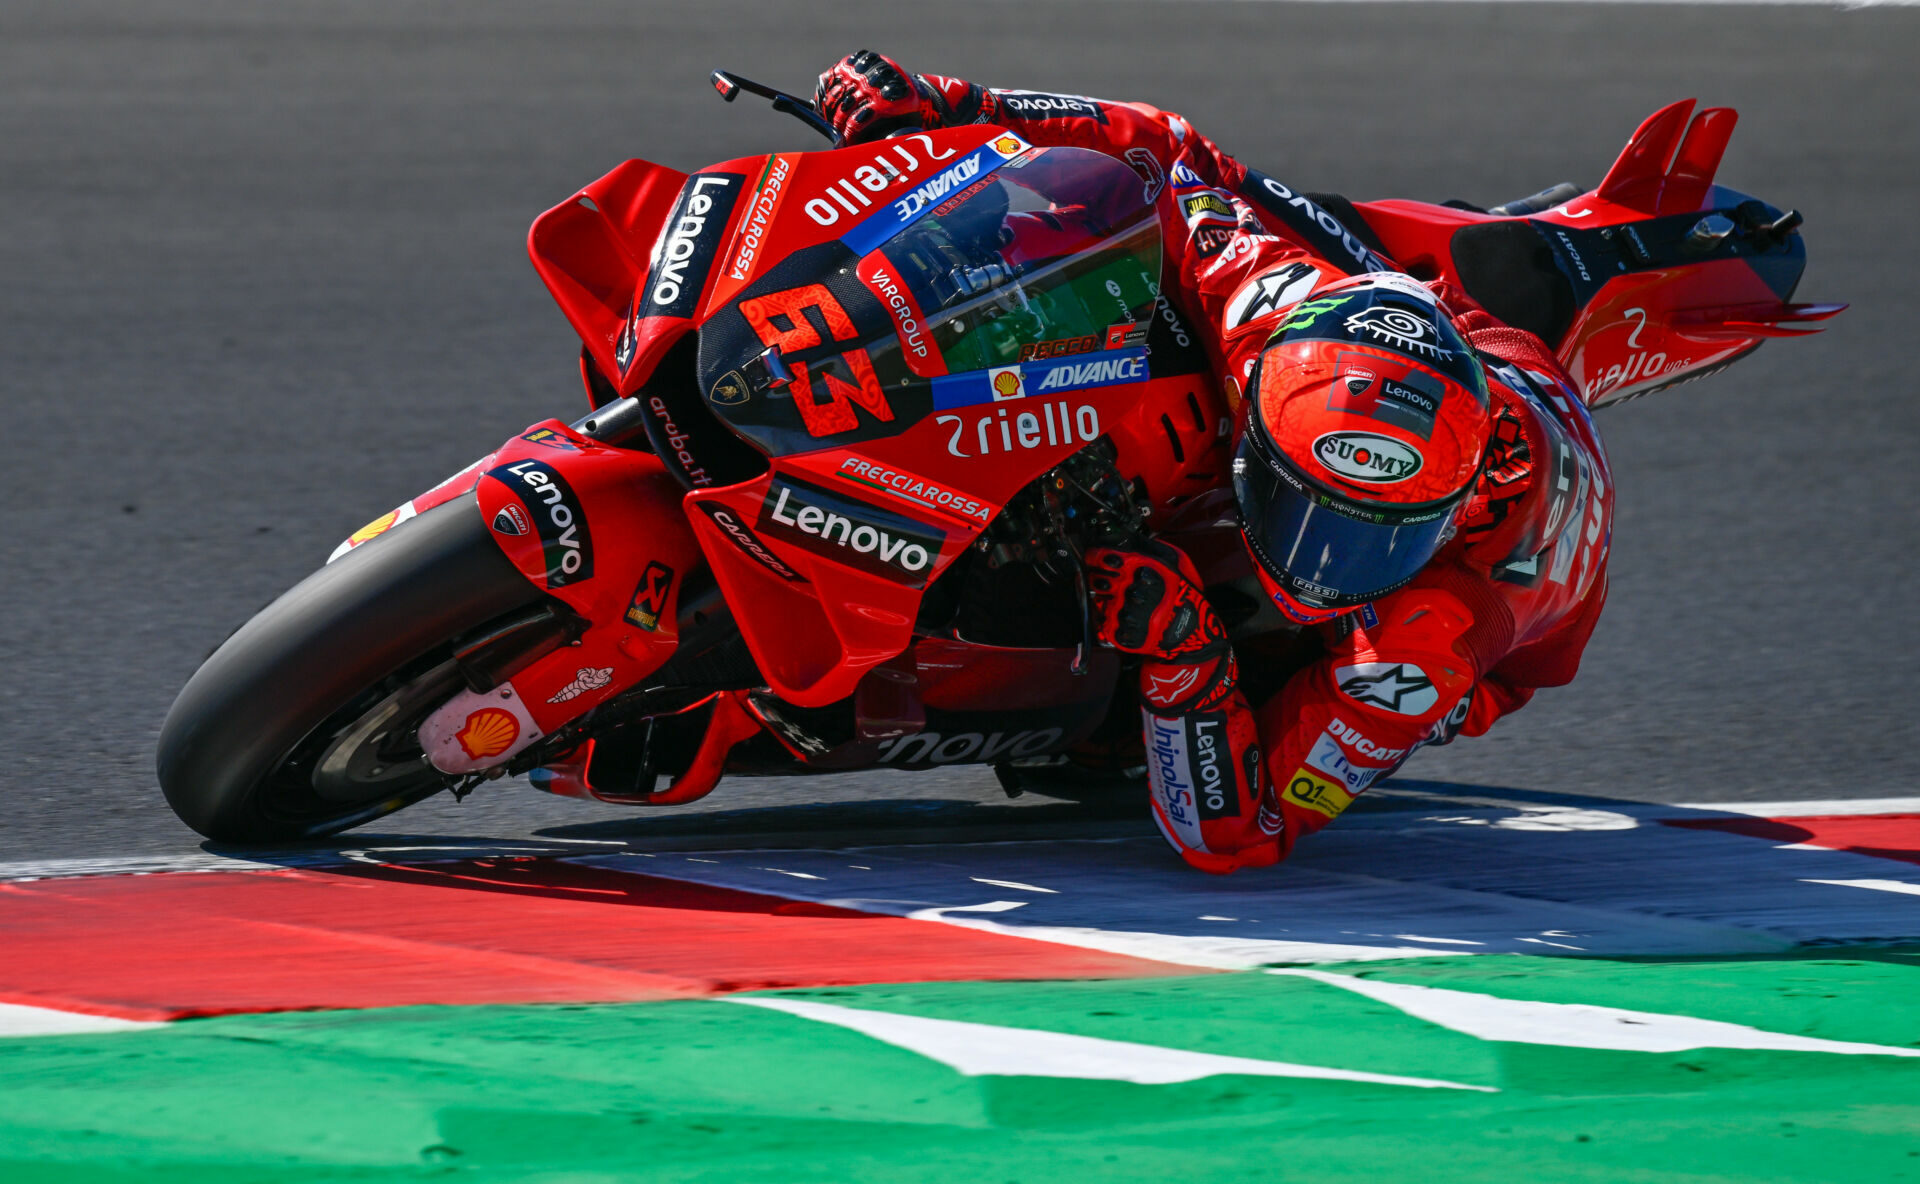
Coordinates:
(262,277)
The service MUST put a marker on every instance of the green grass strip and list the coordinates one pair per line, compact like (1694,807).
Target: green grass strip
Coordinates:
(713,1091)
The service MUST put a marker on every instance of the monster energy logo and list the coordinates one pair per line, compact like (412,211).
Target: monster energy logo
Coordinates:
(1307,313)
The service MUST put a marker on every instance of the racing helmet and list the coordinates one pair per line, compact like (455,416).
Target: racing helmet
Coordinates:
(1367,419)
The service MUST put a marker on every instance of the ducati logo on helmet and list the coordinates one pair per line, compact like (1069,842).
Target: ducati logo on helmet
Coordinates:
(1364,456)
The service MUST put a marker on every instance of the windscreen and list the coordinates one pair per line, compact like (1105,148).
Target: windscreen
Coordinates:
(982,291)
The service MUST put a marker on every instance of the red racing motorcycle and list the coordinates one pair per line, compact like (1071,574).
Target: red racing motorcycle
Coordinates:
(856,416)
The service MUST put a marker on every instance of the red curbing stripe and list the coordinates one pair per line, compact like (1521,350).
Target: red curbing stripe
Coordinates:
(1886,836)
(174,945)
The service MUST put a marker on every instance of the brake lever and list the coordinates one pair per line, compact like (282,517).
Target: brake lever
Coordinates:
(730,85)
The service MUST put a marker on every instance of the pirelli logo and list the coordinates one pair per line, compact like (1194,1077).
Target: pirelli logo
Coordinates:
(1310,790)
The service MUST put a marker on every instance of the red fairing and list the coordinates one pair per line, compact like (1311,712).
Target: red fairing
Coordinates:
(600,529)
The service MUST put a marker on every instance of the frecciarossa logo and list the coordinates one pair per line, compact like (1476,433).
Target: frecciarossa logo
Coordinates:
(861,536)
(557,519)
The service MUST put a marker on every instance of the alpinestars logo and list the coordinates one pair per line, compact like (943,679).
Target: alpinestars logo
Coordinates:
(1399,687)
(1271,292)
(557,516)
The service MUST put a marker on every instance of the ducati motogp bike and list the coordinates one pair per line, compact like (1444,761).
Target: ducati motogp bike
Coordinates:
(843,457)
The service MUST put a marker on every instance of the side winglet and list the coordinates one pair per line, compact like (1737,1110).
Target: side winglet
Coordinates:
(1741,321)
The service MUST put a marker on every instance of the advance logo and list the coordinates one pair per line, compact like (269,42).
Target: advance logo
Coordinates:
(556,515)
(864,537)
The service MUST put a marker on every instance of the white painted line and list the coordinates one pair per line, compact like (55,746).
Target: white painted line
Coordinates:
(1581,1025)
(984,1050)
(17,1019)
(1838,4)
(1877,885)
(1016,885)
(1813,808)
(1206,952)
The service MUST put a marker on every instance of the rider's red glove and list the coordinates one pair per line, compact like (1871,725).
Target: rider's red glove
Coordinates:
(866,95)
(1148,602)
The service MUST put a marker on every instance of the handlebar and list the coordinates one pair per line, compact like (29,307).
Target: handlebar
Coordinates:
(730,84)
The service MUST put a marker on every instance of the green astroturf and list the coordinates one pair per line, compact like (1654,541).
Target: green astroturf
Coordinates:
(713,1091)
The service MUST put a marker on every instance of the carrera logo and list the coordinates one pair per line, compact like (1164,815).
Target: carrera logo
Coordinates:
(859,535)
(738,534)
(1363,456)
(557,518)
(511,520)
(686,253)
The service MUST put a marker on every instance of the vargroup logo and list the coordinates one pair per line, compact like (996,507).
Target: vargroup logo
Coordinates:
(1363,456)
(1006,383)
(861,536)
(557,517)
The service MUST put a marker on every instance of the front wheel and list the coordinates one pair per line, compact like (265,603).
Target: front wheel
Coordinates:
(302,723)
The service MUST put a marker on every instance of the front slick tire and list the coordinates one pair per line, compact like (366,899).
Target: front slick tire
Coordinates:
(302,723)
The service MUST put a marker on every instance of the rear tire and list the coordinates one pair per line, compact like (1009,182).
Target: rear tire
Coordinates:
(274,737)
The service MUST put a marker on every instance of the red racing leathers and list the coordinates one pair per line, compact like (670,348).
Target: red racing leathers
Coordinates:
(1505,607)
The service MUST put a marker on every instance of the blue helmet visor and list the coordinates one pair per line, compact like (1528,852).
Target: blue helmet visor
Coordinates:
(1326,551)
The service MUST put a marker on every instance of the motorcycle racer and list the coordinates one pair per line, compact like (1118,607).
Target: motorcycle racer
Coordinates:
(1418,484)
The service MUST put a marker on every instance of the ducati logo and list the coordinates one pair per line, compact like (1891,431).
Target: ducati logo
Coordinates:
(510,520)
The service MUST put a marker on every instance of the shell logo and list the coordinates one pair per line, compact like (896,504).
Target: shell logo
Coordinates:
(1006,383)
(1007,145)
(378,526)
(489,731)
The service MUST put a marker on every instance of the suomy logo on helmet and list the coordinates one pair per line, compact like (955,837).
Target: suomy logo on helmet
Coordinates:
(1363,456)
